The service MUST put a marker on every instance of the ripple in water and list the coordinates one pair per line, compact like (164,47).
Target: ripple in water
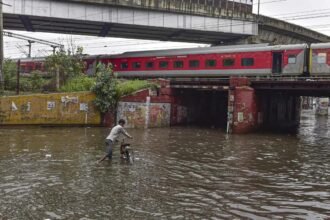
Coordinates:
(179,173)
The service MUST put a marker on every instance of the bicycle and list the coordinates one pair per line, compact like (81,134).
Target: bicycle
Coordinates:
(127,152)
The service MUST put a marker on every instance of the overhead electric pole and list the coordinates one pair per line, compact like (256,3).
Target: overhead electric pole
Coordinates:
(258,11)
(32,40)
(1,49)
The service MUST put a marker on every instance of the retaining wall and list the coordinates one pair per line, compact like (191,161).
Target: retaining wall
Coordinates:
(49,109)
(148,108)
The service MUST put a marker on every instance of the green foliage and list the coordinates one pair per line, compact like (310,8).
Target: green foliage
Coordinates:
(130,86)
(79,83)
(70,64)
(25,84)
(37,81)
(105,88)
(108,90)
(9,74)
(49,85)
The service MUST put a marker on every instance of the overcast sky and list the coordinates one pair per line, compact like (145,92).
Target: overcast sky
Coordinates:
(313,14)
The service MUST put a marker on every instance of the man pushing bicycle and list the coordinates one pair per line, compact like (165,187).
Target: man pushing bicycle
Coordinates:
(113,137)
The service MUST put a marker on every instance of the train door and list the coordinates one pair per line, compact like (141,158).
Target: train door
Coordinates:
(277,62)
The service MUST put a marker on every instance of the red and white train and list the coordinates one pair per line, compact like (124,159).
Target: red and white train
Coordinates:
(218,61)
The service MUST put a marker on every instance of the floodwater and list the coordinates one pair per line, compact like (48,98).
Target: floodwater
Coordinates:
(178,173)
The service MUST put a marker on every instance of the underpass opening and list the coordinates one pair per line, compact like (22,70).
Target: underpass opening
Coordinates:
(280,111)
(205,108)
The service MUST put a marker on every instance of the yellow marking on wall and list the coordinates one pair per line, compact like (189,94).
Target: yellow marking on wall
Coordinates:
(52,109)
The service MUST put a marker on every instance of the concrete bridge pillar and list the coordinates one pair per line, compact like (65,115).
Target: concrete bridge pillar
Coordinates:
(242,107)
(249,110)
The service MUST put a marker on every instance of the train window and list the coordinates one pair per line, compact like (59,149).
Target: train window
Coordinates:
(228,62)
(210,63)
(124,65)
(193,63)
(247,61)
(163,64)
(321,58)
(292,59)
(29,69)
(136,65)
(22,69)
(38,66)
(149,65)
(178,64)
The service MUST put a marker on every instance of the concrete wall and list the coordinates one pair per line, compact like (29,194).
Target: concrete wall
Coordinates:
(148,108)
(54,109)
(145,115)
(145,108)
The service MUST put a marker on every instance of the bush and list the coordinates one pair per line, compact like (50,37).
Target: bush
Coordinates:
(37,81)
(105,89)
(130,86)
(25,84)
(79,83)
(9,74)
(49,85)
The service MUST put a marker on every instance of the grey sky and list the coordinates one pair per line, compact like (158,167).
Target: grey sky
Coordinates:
(313,14)
(308,13)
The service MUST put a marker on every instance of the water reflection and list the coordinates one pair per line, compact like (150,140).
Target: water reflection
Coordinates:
(179,173)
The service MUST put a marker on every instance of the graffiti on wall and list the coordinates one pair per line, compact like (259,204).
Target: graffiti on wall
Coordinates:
(61,108)
(135,114)
(159,114)
(51,105)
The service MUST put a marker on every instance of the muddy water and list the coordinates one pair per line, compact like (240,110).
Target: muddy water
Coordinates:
(178,173)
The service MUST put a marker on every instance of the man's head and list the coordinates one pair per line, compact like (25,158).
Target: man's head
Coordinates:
(121,122)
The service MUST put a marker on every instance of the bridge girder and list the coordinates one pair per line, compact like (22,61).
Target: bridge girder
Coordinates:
(96,18)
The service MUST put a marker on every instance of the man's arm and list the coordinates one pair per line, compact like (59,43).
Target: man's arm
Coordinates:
(125,133)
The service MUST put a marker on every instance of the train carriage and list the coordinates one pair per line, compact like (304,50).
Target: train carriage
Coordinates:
(28,65)
(219,61)
(223,61)
(320,59)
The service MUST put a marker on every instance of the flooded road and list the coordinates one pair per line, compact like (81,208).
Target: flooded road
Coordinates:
(178,173)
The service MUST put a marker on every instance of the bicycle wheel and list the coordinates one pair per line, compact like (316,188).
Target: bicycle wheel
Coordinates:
(131,156)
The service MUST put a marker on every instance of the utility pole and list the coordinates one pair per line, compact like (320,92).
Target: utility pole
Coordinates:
(1,49)
(258,12)
(30,47)
(32,40)
(18,76)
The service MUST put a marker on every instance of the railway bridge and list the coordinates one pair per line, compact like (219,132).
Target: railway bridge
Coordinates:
(204,21)
(242,105)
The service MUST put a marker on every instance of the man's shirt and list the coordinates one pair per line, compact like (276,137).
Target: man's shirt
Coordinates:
(116,132)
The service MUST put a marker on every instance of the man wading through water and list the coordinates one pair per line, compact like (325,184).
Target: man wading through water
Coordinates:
(113,137)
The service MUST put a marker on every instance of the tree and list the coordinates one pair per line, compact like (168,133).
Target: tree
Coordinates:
(67,64)
(105,88)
